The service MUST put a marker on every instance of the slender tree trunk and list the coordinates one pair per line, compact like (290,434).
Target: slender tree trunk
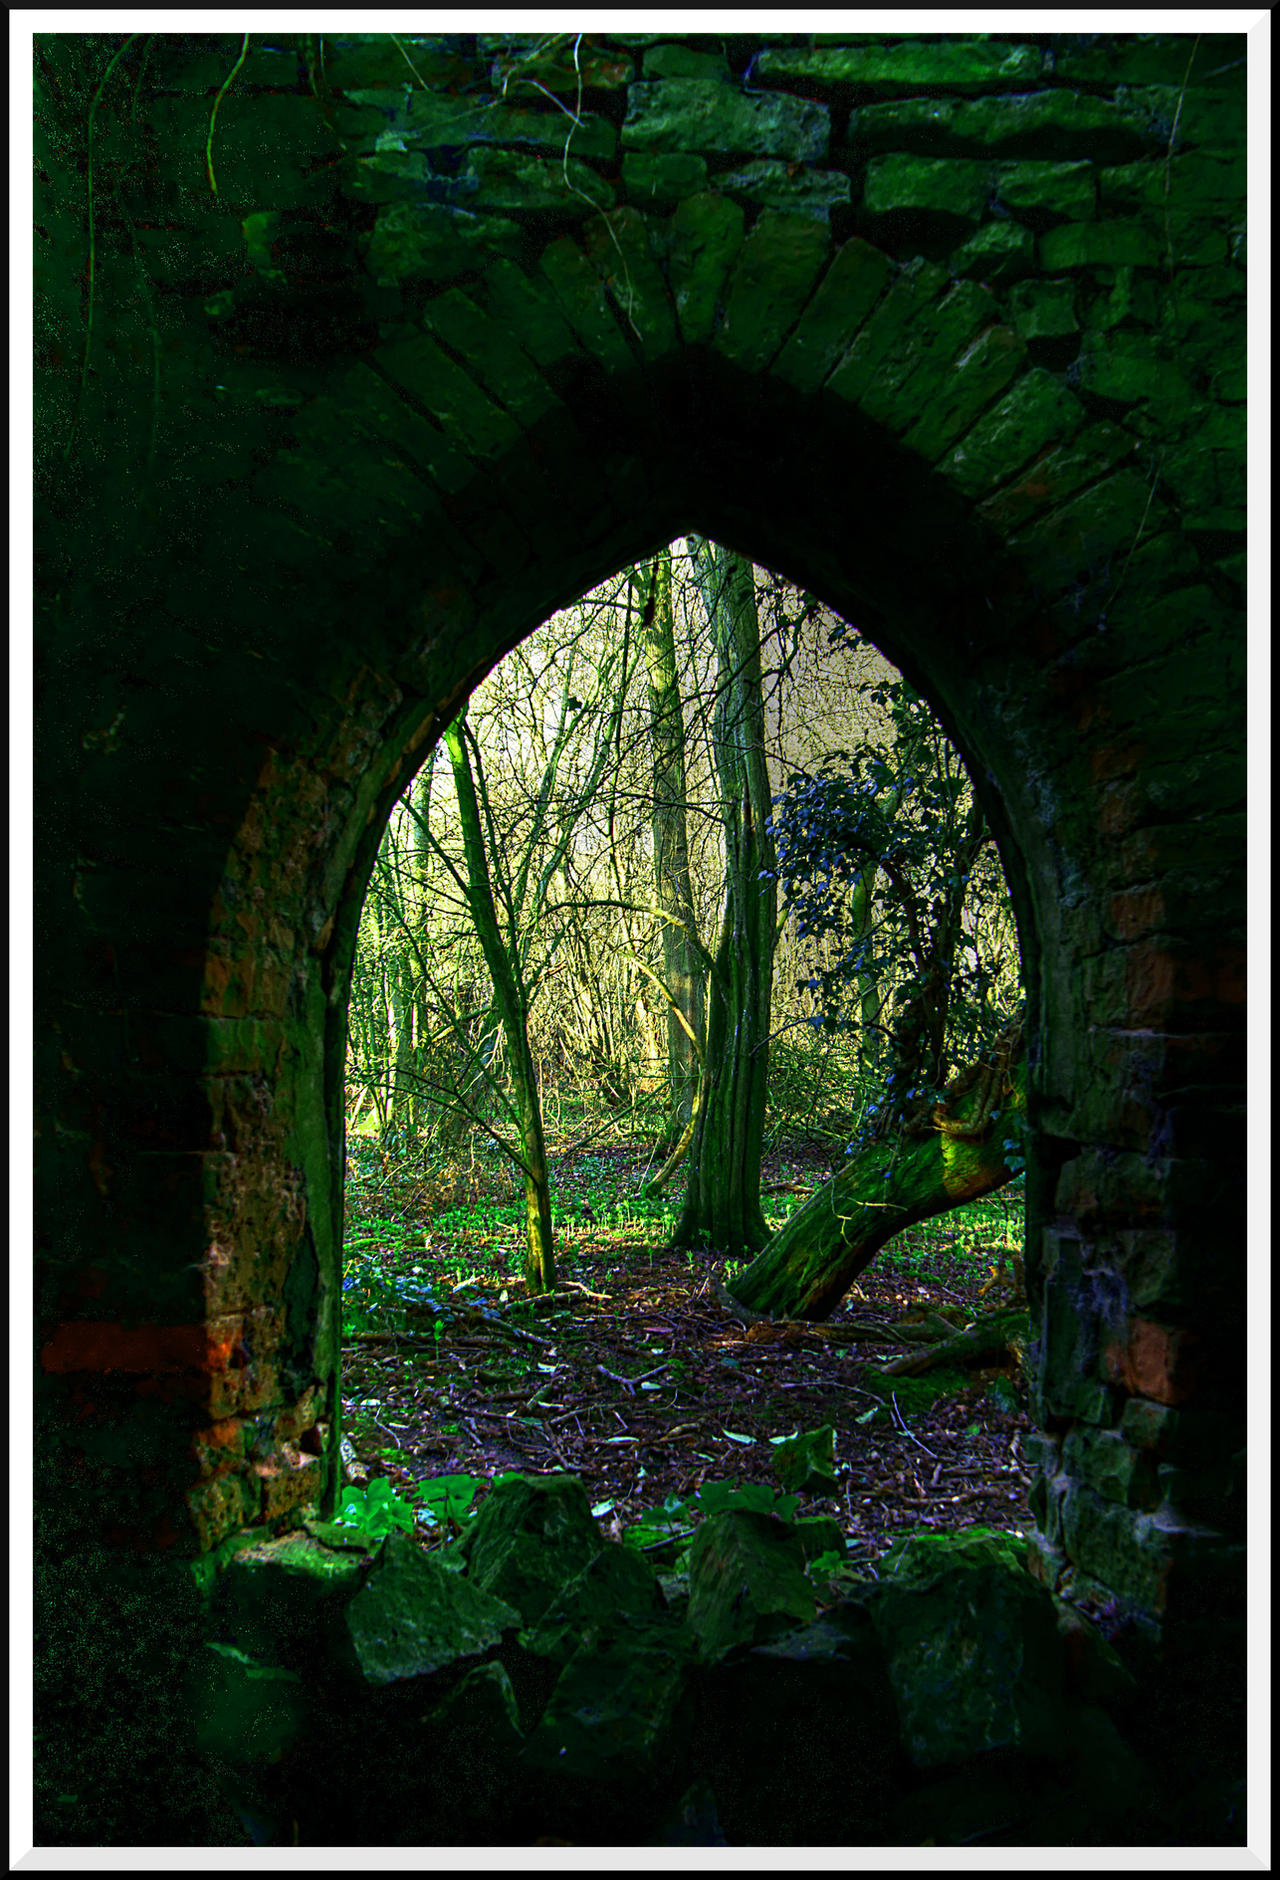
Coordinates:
(868,988)
(810,1264)
(673,893)
(417,912)
(513,1013)
(917,1048)
(722,1202)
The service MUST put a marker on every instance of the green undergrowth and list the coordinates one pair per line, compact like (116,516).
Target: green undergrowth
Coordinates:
(439,1510)
(410,1233)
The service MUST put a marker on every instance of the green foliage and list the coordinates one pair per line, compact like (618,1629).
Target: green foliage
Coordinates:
(806,1460)
(667,1531)
(447,1499)
(374,1511)
(879,852)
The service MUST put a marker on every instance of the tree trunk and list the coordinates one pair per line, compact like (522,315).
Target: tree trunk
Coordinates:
(810,1264)
(673,894)
(512,1010)
(722,1202)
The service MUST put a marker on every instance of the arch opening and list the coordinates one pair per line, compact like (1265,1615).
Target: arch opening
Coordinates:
(572,800)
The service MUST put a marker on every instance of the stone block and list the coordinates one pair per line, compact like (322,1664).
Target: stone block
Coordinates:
(222,1505)
(981,372)
(1098,245)
(746,1577)
(943,186)
(1153,1360)
(1195,181)
(954,67)
(973,1652)
(1048,192)
(413,1616)
(1048,125)
(470,423)
(663,178)
(683,61)
(584,303)
(772,278)
(430,242)
(529,1540)
(705,235)
(1122,1549)
(1077,1306)
(908,387)
(1132,368)
(564,63)
(619,247)
(1147,59)
(366,61)
(618,1707)
(845,296)
(998,252)
(1036,413)
(699,115)
(1108,1464)
(418,120)
(506,182)
(1089,530)
(1044,309)
(889,334)
(527,309)
(492,354)
(1057,474)
(787,187)
(1149,1425)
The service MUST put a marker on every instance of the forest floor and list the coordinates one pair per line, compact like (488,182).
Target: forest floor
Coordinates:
(632,1376)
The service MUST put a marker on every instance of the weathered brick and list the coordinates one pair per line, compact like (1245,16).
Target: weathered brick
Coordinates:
(1154,1360)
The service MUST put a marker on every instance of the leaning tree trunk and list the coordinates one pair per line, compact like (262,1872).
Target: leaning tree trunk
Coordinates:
(509,997)
(722,1201)
(810,1264)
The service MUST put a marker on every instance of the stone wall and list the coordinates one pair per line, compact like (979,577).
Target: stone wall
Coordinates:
(358,356)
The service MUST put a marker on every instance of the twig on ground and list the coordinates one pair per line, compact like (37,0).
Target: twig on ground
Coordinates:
(898,1419)
(630,1382)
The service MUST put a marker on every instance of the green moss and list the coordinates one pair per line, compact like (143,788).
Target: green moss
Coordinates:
(705,235)
(695,114)
(772,277)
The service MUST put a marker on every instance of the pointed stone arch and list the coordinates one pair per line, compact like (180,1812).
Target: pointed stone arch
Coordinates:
(341,549)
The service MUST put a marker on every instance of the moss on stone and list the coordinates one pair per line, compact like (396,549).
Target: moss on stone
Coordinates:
(1037,412)
(950,186)
(998,252)
(1064,191)
(697,114)
(784,186)
(952,66)
(772,277)
(1099,244)
(706,233)
(662,177)
(845,296)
